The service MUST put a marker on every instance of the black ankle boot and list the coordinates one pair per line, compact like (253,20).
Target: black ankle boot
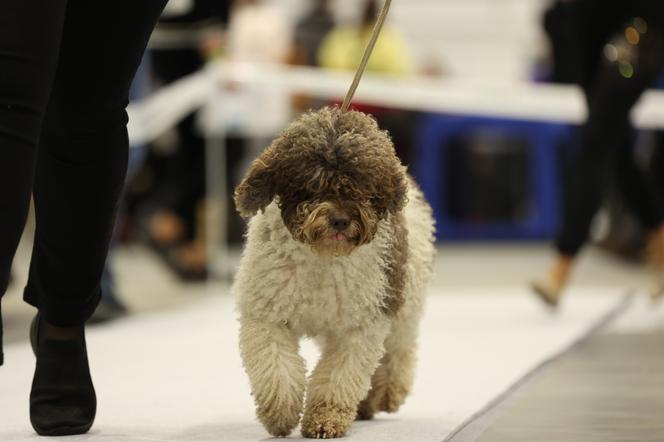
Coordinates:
(62,400)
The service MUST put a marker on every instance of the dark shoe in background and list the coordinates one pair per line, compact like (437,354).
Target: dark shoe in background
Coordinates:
(109,309)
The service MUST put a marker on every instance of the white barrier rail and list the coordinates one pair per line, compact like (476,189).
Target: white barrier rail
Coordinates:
(150,117)
(154,115)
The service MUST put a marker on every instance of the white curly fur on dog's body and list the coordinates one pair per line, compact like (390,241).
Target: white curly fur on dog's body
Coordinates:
(286,291)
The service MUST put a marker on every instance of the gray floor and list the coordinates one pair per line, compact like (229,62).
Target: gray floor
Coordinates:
(610,388)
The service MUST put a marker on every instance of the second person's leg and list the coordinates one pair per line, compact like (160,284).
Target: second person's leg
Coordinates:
(610,99)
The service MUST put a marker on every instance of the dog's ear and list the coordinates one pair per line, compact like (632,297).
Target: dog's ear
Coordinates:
(393,186)
(257,189)
(396,188)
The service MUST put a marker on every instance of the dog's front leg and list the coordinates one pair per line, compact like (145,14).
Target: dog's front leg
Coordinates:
(277,373)
(341,379)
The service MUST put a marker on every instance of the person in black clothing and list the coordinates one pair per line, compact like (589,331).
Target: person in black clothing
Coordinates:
(65,71)
(614,51)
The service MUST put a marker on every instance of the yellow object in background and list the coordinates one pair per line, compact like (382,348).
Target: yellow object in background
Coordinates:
(343,47)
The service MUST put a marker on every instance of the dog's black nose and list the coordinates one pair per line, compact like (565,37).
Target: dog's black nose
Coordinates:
(340,223)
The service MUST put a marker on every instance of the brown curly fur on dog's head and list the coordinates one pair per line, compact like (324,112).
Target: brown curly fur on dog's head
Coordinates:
(334,174)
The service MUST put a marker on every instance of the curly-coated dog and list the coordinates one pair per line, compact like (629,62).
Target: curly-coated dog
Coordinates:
(339,248)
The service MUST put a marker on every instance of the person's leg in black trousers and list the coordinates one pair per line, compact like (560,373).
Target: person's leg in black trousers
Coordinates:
(639,190)
(636,186)
(65,71)
(610,97)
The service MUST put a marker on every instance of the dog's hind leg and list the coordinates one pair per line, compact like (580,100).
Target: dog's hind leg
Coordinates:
(341,379)
(277,374)
(393,379)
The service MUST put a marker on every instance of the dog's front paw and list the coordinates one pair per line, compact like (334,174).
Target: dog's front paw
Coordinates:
(326,421)
(279,421)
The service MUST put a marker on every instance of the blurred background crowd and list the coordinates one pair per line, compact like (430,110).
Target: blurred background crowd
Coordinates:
(488,178)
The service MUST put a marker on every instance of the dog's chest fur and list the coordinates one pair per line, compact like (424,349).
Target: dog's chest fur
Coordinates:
(282,280)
